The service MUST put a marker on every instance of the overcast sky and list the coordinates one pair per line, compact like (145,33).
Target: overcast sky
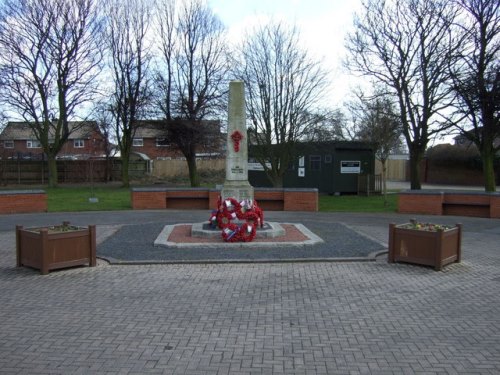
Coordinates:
(323,25)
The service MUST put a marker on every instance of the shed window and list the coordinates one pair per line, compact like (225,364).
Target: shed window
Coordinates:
(315,162)
(79,143)
(8,144)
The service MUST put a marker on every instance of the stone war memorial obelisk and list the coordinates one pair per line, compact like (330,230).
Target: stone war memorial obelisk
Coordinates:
(236,184)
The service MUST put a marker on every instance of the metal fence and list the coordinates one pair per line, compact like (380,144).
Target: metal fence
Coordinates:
(369,184)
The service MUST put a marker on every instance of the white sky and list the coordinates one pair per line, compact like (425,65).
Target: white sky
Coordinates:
(323,25)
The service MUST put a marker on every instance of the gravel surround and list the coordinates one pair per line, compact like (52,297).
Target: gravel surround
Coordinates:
(134,244)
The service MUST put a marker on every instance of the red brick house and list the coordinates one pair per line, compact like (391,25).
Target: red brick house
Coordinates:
(17,141)
(151,141)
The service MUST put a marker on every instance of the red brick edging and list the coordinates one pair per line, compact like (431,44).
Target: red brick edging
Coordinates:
(182,234)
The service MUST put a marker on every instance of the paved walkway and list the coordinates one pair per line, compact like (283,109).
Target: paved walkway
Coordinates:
(281,318)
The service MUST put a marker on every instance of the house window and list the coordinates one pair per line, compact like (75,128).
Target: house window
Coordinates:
(33,144)
(138,142)
(315,162)
(78,143)
(8,144)
(162,142)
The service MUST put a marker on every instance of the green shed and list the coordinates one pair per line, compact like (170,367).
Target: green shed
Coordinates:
(331,167)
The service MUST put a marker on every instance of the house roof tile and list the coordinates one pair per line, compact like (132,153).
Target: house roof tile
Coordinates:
(17,130)
(156,128)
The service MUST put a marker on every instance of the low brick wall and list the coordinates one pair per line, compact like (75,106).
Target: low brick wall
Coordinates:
(22,201)
(144,199)
(459,203)
(420,202)
(301,200)
(201,198)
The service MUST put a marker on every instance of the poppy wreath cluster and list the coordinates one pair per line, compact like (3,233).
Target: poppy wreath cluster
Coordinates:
(229,210)
(236,137)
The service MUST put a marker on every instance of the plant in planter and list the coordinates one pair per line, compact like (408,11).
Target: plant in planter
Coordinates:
(54,247)
(425,244)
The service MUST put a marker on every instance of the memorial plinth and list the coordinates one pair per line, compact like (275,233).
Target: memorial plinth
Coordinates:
(236,184)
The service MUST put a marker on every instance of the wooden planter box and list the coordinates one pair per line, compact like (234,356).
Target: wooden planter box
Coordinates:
(428,248)
(51,248)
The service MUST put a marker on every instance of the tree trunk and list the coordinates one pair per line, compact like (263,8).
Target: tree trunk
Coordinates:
(107,170)
(384,180)
(488,159)
(276,179)
(125,165)
(416,156)
(194,178)
(52,166)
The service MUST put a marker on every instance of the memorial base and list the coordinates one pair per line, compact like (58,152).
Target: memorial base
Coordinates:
(238,190)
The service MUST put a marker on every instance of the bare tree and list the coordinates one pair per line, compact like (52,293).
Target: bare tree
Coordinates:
(326,125)
(49,58)
(128,24)
(476,80)
(104,119)
(166,28)
(194,69)
(406,45)
(283,85)
(379,124)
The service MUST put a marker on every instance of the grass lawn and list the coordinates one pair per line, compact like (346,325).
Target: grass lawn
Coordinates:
(74,199)
(354,203)
(77,199)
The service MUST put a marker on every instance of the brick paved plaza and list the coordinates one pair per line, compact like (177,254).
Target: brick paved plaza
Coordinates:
(274,318)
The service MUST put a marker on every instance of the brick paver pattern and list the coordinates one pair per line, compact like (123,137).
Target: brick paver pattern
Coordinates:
(297,318)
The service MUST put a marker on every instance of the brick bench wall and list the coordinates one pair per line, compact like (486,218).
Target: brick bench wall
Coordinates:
(469,203)
(22,201)
(200,198)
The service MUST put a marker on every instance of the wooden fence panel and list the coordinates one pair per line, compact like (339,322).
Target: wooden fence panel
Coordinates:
(396,169)
(68,171)
(178,168)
